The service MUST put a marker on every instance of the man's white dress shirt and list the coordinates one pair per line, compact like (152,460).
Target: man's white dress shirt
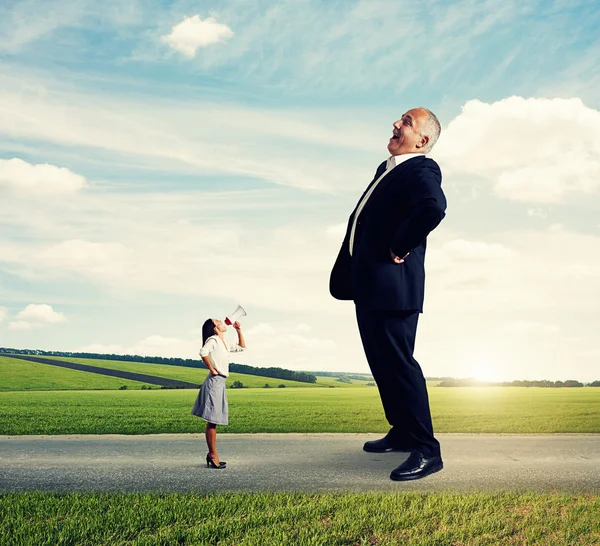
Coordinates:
(392,162)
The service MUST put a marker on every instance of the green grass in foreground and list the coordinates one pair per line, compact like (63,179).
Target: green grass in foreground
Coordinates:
(21,375)
(459,409)
(417,519)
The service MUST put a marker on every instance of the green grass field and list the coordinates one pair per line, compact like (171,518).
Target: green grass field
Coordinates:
(193,375)
(466,409)
(21,375)
(416,519)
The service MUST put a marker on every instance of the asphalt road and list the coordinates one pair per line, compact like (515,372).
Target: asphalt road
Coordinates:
(293,462)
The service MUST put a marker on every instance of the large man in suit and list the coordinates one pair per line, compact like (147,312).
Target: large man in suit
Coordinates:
(381,267)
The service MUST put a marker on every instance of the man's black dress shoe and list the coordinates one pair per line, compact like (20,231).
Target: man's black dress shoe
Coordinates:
(383,445)
(416,466)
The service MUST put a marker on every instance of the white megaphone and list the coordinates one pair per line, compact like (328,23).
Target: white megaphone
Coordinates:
(239,312)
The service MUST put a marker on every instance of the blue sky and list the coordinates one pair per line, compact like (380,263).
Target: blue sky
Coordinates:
(161,162)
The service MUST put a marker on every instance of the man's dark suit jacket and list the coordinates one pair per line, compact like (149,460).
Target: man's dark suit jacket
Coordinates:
(407,204)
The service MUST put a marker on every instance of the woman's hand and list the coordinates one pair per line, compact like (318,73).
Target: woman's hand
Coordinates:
(238,329)
(208,362)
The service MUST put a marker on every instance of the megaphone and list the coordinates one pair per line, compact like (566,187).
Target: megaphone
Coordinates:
(239,312)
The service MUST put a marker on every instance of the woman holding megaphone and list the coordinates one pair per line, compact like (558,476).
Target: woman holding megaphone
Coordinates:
(211,403)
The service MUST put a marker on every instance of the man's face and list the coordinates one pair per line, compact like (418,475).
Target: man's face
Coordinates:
(406,137)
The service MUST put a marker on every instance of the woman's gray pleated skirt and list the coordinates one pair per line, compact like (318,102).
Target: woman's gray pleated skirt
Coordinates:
(211,402)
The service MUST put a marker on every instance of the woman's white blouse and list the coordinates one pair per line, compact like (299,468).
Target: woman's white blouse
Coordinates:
(219,353)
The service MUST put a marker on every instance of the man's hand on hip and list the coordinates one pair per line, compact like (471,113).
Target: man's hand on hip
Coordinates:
(397,259)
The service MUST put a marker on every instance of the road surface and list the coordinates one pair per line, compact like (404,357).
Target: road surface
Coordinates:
(293,462)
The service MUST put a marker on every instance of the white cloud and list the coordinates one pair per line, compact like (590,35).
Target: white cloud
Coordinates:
(287,346)
(38,180)
(26,21)
(262,329)
(461,272)
(99,348)
(528,272)
(493,303)
(518,311)
(283,345)
(36,316)
(534,150)
(157,345)
(193,33)
(191,136)
(528,327)
(20,325)
(538,212)
(41,314)
(352,47)
(285,268)
(153,345)
(462,250)
(337,232)
(287,336)
(3,313)
(102,260)
(30,20)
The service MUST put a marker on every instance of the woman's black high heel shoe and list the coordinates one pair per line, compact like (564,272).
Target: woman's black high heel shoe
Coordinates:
(211,464)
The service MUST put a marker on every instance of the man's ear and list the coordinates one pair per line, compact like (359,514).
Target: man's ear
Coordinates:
(423,142)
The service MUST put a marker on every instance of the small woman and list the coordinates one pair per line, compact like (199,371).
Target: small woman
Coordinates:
(211,403)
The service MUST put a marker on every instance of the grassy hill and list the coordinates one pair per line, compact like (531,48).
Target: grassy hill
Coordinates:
(182,373)
(23,375)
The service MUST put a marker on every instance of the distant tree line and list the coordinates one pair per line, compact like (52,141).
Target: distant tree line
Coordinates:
(276,373)
(240,385)
(363,376)
(349,375)
(469,382)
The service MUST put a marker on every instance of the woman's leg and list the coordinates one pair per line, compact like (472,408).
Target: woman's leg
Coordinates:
(211,441)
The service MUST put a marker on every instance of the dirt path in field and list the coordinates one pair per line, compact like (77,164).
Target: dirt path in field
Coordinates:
(151,379)
(293,462)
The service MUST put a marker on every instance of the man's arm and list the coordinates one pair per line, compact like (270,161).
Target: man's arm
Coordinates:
(427,209)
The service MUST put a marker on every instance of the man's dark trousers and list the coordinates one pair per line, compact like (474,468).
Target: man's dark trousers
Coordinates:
(388,339)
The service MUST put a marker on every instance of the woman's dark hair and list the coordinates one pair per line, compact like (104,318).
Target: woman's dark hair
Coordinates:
(208,329)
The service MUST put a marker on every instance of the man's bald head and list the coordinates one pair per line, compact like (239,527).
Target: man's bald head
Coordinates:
(415,132)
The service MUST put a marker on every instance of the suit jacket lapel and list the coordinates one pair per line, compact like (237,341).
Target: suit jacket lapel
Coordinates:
(378,173)
(393,175)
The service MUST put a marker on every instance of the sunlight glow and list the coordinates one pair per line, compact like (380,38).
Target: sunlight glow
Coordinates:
(486,367)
